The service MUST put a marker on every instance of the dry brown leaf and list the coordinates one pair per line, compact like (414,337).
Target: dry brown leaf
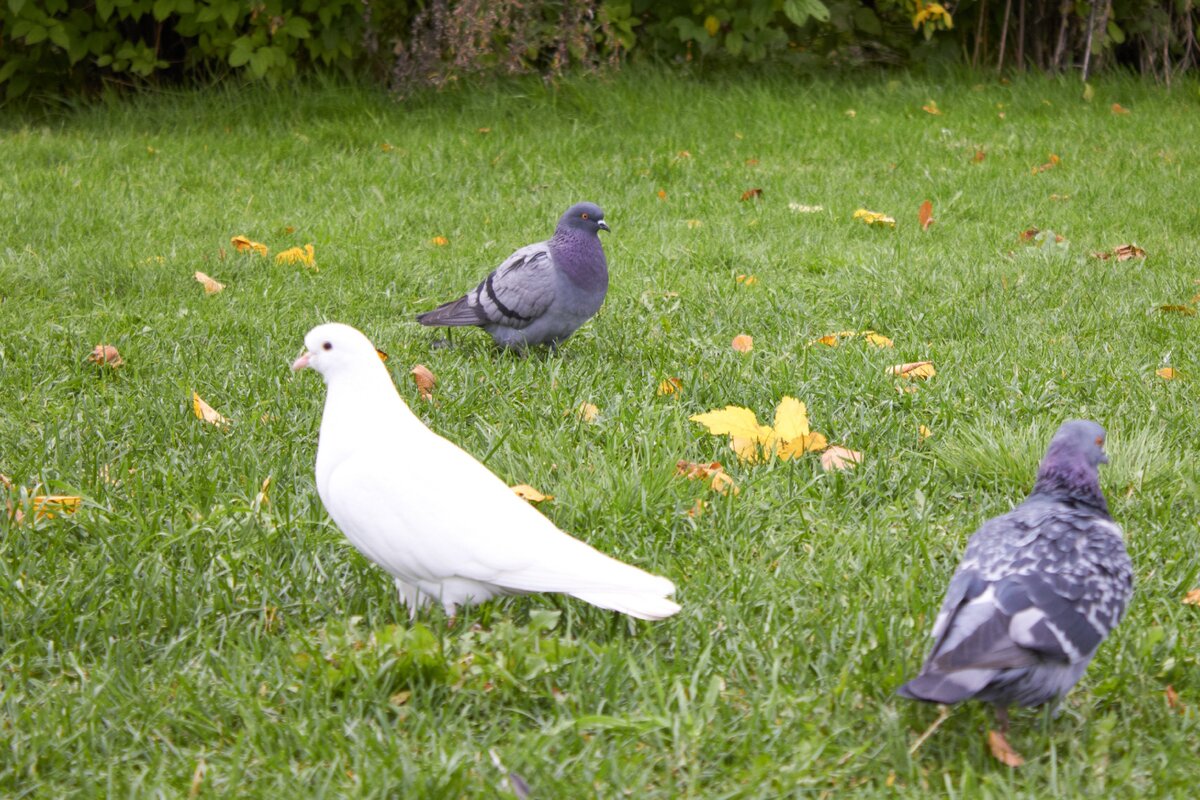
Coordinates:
(46,506)
(743,343)
(106,354)
(751,162)
(931,108)
(483,130)
(1117,108)
(752,194)
(210,286)
(980,155)
(697,508)
(425,381)
(1173,699)
(1171,308)
(1128,251)
(670,386)
(1051,164)
(262,498)
(1192,598)
(925,215)
(1028,234)
(527,492)
(838,457)
(1002,751)
(206,413)
(914,370)
(382,355)
(6,481)
(587,412)
(662,194)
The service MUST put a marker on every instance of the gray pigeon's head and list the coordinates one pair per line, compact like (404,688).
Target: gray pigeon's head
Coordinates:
(1071,466)
(333,349)
(587,217)
(1079,441)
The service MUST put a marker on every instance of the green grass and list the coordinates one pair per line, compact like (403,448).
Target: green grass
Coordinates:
(175,620)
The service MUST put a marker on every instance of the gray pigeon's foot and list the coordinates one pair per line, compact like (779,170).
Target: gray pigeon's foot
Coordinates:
(1002,718)
(441,344)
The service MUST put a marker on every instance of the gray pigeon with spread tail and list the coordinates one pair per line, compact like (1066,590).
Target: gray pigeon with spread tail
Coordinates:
(543,292)
(1036,592)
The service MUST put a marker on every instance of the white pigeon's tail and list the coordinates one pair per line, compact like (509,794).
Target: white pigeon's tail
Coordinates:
(642,606)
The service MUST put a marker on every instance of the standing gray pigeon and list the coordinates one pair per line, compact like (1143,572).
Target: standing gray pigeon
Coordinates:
(1036,592)
(543,292)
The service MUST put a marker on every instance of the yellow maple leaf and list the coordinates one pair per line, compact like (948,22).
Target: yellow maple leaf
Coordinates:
(527,492)
(791,435)
(295,255)
(750,440)
(914,370)
(670,386)
(206,413)
(874,218)
(210,285)
(243,244)
(1167,373)
(46,506)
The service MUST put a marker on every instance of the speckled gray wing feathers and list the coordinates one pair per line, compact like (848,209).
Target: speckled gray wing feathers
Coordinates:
(514,295)
(1036,592)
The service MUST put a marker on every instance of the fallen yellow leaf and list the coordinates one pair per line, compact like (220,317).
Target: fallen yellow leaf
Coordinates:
(670,386)
(210,286)
(914,370)
(925,432)
(385,147)
(440,241)
(296,255)
(206,413)
(1167,373)
(718,479)
(697,508)
(382,355)
(693,224)
(790,437)
(878,339)
(587,412)
(527,492)
(243,244)
(931,108)
(1117,108)
(1051,164)
(46,506)
(752,194)
(1002,751)
(261,499)
(747,280)
(874,218)
(661,194)
(743,343)
(106,354)
(838,457)
(425,381)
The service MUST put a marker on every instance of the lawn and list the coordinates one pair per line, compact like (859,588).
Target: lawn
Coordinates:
(184,633)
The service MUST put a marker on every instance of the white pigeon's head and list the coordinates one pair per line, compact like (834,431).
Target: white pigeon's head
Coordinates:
(334,349)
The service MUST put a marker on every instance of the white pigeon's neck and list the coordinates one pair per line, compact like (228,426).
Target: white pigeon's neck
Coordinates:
(362,409)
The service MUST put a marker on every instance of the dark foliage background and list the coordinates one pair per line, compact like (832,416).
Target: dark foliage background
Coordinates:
(59,47)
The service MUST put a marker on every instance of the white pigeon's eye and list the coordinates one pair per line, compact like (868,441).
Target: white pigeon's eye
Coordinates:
(583,215)
(327,346)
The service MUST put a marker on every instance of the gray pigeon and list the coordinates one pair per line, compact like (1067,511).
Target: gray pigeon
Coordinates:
(1036,592)
(543,292)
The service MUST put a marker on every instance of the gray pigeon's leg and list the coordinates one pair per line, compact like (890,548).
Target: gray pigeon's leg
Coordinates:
(1002,718)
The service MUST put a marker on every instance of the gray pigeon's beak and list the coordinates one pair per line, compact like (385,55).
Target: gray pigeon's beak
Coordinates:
(602,225)
(301,362)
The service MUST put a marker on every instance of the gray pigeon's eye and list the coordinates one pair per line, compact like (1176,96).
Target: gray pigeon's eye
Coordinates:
(584,215)
(328,346)
(1100,441)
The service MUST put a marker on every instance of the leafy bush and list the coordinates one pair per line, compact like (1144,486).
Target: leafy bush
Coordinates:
(61,46)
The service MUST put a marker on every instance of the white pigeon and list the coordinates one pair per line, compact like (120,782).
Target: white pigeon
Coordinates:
(441,523)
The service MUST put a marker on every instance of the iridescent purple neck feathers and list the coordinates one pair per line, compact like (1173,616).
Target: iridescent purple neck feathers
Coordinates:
(579,255)
(1065,474)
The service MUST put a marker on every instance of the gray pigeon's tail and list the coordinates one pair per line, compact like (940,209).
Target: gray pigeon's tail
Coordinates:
(455,313)
(946,687)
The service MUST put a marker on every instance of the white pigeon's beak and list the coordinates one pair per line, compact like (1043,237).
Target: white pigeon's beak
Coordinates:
(301,362)
(602,225)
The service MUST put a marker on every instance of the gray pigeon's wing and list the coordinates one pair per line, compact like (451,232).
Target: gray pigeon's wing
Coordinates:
(520,290)
(514,295)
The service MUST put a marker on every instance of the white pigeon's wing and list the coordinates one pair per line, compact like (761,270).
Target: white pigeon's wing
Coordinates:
(431,511)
